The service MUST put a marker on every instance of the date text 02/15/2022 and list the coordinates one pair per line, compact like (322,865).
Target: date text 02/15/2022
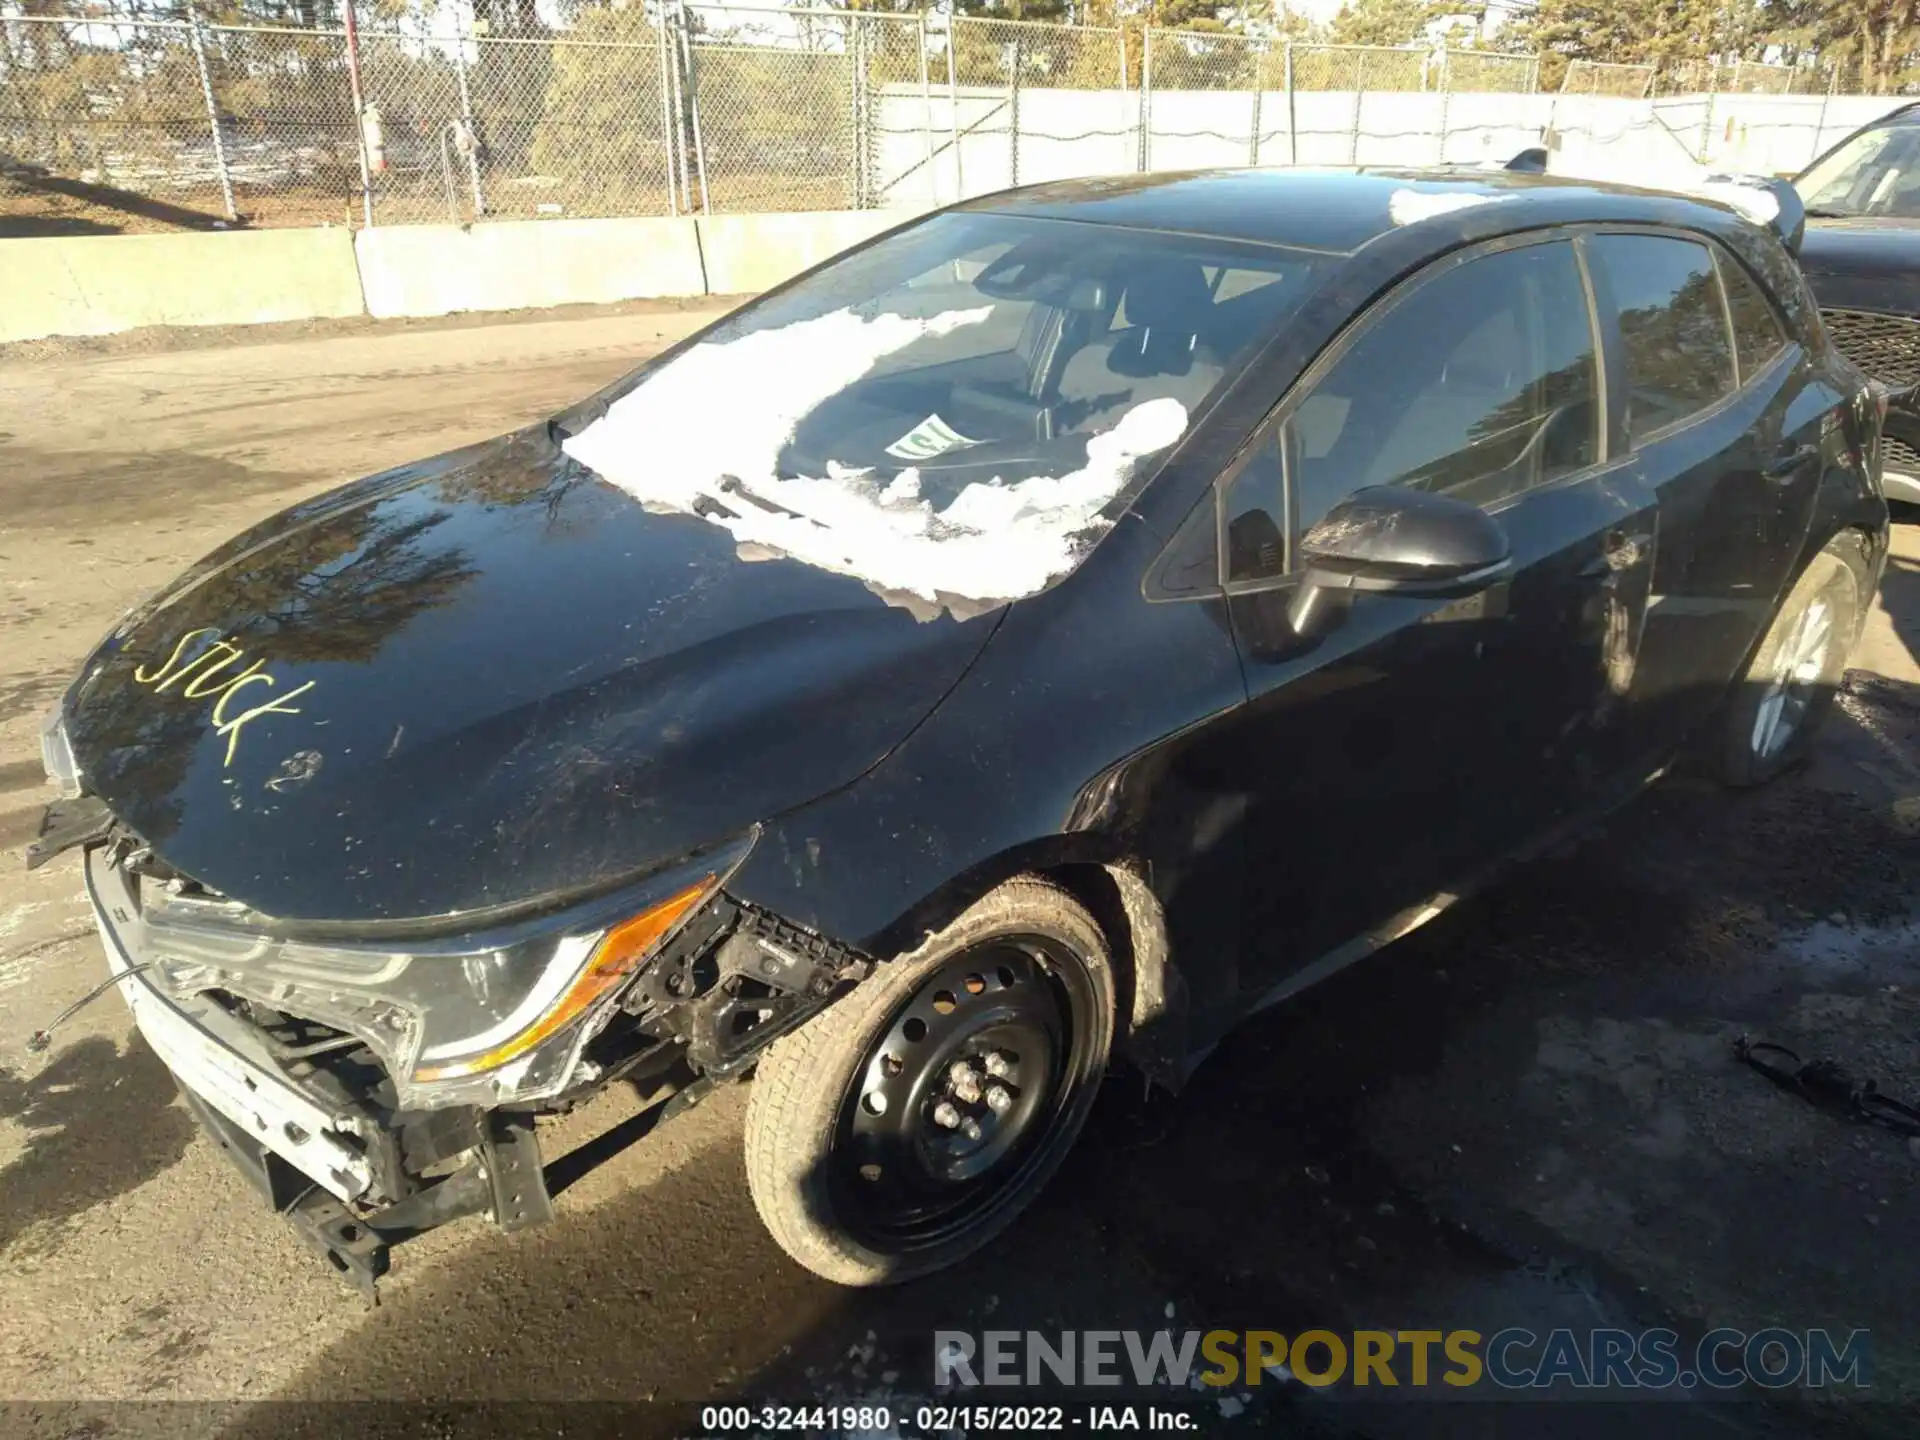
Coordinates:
(945,1419)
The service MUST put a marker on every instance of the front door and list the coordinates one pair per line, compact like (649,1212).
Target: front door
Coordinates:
(1422,739)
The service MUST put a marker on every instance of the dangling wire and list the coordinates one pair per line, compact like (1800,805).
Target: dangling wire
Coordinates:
(42,1038)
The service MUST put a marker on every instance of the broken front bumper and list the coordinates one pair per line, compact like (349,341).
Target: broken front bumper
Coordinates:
(316,1125)
(353,1181)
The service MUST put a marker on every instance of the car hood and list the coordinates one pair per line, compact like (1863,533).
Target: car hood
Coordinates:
(487,680)
(1863,263)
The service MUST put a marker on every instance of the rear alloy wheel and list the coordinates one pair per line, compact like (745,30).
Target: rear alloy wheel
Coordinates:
(1772,718)
(908,1124)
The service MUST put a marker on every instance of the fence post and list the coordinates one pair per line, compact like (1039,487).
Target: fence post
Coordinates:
(1446,100)
(1253,157)
(1533,76)
(670,35)
(213,112)
(1013,108)
(693,112)
(1820,123)
(686,105)
(1293,127)
(926,116)
(1706,120)
(855,115)
(1548,137)
(1359,94)
(953,107)
(1146,97)
(473,128)
(666,119)
(359,113)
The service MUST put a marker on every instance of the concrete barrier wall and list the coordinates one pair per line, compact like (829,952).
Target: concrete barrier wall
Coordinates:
(749,253)
(100,284)
(525,264)
(96,285)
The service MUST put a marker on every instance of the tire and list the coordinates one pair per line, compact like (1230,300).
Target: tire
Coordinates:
(857,1171)
(1770,721)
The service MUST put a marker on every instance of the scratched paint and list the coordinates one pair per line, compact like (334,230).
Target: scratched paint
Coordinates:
(204,665)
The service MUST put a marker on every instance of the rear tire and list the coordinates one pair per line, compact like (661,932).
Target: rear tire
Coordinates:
(909,1124)
(1770,721)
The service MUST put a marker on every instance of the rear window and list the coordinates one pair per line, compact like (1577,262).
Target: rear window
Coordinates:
(954,409)
(1673,330)
(1757,336)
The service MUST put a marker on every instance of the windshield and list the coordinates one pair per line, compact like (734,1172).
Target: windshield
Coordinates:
(955,412)
(1877,172)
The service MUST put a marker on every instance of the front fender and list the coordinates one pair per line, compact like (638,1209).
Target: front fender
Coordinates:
(1078,742)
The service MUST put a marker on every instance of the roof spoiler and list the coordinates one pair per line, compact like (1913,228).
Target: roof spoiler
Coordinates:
(1763,199)
(1766,200)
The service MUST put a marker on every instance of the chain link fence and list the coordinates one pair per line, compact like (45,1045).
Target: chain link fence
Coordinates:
(131,122)
(1201,88)
(1745,77)
(1592,77)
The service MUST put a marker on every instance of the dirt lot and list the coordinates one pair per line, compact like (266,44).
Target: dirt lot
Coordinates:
(1526,1113)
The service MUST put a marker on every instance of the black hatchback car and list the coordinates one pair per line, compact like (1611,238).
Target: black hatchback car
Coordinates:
(1029,642)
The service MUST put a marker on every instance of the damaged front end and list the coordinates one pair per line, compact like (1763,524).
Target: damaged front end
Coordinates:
(376,1082)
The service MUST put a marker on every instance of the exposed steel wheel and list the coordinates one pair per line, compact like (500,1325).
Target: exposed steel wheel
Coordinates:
(911,1122)
(1771,718)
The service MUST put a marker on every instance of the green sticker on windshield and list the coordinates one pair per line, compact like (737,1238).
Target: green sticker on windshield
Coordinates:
(931,437)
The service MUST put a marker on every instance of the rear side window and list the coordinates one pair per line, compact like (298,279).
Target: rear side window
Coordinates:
(1672,328)
(1757,337)
(1479,383)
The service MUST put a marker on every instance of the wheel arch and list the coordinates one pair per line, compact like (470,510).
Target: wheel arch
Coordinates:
(1151,995)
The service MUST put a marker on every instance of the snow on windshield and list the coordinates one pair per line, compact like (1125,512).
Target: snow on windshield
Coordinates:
(703,436)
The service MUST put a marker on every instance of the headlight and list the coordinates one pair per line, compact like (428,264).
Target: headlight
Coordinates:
(56,752)
(479,1022)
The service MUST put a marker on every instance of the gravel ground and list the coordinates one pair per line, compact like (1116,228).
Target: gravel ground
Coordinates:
(1526,1113)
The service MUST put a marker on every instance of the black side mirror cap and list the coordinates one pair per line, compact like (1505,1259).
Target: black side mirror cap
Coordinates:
(1399,542)
(1392,540)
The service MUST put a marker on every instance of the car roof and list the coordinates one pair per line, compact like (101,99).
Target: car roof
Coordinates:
(1342,210)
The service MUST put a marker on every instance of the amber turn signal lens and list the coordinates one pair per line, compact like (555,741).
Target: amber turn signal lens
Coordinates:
(617,955)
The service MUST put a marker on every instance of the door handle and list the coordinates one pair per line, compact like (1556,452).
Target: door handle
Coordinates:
(1790,462)
(1620,551)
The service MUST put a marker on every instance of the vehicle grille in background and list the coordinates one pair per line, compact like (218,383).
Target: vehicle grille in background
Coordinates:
(1898,456)
(1887,347)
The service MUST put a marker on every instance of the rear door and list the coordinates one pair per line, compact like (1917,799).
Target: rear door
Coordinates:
(1725,418)
(1423,738)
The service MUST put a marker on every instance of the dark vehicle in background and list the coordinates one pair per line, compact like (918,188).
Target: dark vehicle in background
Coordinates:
(1030,642)
(1861,255)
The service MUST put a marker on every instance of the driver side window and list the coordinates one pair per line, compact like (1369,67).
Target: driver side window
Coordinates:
(1481,382)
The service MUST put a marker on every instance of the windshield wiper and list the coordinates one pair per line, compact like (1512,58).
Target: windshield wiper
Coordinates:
(732,485)
(1821,212)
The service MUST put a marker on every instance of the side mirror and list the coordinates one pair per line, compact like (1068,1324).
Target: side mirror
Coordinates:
(1400,542)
